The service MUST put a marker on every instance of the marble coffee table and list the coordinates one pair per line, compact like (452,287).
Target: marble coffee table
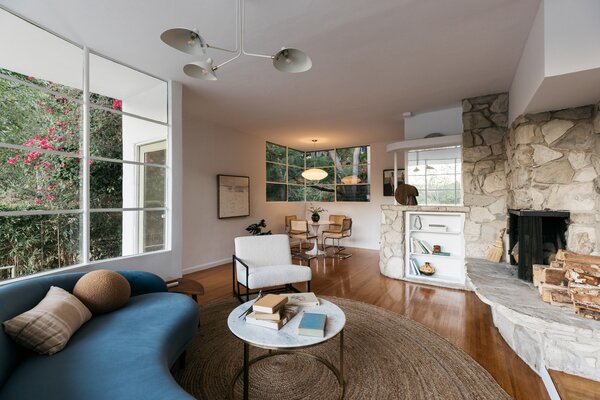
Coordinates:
(286,340)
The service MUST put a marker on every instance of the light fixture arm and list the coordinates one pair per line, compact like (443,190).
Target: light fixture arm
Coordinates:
(243,2)
(239,37)
(237,33)
(210,46)
(189,41)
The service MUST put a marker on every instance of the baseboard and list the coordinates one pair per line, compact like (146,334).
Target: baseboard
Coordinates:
(202,267)
(549,383)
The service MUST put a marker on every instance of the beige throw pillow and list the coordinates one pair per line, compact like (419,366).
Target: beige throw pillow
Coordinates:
(47,327)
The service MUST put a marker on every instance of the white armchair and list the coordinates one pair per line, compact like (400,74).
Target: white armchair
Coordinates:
(264,262)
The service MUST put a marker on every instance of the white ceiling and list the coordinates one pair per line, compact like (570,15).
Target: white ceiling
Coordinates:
(372,60)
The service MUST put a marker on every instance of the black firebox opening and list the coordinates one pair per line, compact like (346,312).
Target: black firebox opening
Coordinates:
(534,237)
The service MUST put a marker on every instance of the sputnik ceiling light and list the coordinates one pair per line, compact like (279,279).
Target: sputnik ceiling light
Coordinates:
(314,174)
(189,41)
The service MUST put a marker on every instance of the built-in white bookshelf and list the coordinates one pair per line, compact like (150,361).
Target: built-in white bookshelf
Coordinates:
(423,231)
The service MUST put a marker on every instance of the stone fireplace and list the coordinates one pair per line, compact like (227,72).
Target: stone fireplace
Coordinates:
(535,237)
(544,161)
(544,165)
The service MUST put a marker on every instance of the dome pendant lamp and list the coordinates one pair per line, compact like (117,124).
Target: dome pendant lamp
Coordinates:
(314,174)
(191,42)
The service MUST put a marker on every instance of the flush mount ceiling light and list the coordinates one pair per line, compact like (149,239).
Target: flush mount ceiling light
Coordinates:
(191,42)
(350,180)
(314,174)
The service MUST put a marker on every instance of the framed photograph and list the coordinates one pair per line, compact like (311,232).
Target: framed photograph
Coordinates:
(233,196)
(388,180)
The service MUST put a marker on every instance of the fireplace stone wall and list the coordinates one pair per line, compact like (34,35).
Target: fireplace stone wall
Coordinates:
(484,170)
(553,162)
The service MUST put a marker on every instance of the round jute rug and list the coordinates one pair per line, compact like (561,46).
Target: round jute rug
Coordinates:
(386,356)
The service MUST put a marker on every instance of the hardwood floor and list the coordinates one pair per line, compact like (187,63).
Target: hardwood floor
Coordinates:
(458,316)
(573,387)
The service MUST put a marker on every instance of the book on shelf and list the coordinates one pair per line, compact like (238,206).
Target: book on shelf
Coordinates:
(268,316)
(437,228)
(287,313)
(269,304)
(442,253)
(419,246)
(414,267)
(312,324)
(308,299)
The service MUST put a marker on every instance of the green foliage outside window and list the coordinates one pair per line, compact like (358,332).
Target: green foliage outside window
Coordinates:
(348,174)
(295,158)
(31,180)
(276,153)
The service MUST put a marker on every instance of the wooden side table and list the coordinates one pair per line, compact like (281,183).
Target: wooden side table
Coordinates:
(187,286)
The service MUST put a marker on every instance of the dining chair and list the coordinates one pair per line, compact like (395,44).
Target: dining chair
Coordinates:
(266,262)
(337,232)
(299,230)
(288,220)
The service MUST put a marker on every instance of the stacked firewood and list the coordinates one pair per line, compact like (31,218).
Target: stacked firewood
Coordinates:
(571,280)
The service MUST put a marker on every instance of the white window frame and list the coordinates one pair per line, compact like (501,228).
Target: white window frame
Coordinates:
(85,211)
(458,192)
(307,164)
(141,149)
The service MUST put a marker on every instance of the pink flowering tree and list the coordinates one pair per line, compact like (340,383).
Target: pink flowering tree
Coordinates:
(44,173)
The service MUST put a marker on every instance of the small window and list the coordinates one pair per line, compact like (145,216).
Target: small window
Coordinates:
(353,173)
(436,173)
(348,174)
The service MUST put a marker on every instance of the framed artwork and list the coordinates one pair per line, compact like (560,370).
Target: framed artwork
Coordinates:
(388,180)
(233,196)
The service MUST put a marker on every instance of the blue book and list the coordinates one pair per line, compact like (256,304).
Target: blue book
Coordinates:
(312,324)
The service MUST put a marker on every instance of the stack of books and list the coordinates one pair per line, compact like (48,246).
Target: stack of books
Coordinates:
(271,312)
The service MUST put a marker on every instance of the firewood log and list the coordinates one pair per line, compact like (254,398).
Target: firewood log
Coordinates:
(554,276)
(537,273)
(564,255)
(554,293)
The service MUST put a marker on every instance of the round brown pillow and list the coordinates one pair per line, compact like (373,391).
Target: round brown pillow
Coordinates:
(102,291)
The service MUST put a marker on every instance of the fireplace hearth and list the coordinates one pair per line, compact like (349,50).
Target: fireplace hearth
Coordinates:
(534,236)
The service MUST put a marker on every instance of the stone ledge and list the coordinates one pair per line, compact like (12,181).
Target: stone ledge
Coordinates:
(400,207)
(544,336)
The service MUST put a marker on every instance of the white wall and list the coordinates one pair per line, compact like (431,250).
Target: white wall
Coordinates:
(366,216)
(560,64)
(572,33)
(210,150)
(447,121)
(530,71)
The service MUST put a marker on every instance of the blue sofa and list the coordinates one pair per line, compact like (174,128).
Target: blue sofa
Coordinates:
(124,354)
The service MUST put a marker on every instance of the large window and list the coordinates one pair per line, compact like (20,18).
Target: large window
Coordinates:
(436,173)
(348,174)
(83,168)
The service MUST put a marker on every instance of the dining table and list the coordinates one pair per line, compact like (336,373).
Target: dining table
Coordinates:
(316,227)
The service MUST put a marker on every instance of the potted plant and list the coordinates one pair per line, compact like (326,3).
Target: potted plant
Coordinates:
(256,229)
(316,212)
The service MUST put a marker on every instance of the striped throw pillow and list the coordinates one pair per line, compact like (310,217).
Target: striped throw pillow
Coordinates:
(47,327)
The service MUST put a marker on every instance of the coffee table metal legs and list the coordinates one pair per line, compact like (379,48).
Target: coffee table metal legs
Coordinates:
(341,371)
(245,371)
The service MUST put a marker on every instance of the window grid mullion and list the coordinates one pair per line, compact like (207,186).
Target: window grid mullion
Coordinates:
(85,200)
(125,113)
(41,88)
